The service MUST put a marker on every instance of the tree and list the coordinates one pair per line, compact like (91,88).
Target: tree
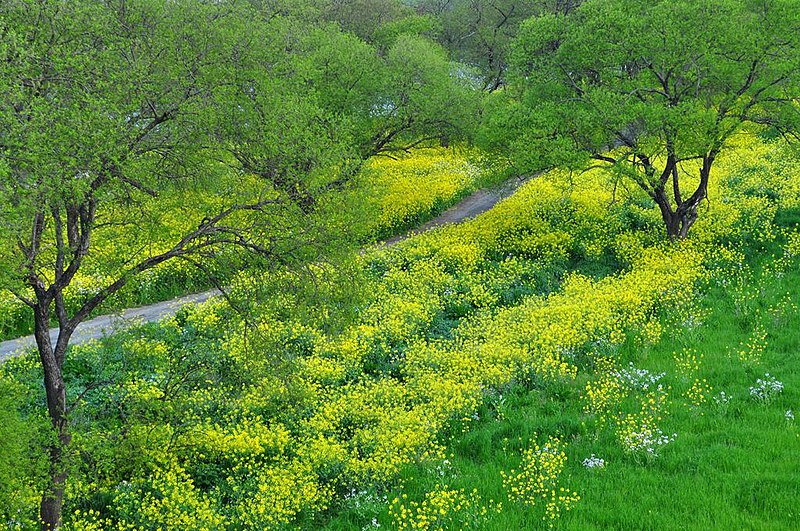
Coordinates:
(666,82)
(363,17)
(479,32)
(392,99)
(108,104)
(424,97)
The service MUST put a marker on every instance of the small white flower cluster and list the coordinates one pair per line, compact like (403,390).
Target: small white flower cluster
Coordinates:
(638,378)
(372,525)
(766,388)
(444,468)
(594,462)
(789,415)
(722,398)
(364,500)
(692,321)
(647,441)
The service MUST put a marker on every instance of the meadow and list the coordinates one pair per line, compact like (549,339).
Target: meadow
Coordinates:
(552,363)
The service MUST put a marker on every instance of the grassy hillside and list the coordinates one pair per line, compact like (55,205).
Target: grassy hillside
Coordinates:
(461,378)
(717,440)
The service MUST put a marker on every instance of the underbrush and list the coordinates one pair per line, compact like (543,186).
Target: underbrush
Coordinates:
(389,197)
(457,380)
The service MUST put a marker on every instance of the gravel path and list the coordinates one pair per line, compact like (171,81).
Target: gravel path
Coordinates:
(107,324)
(469,207)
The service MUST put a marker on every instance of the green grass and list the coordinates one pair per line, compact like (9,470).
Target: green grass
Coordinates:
(730,467)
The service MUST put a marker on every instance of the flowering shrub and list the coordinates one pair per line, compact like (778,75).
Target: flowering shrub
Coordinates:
(442,508)
(537,481)
(766,388)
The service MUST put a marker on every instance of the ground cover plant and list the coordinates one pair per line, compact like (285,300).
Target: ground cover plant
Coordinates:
(301,418)
(610,339)
(390,195)
(723,457)
(407,190)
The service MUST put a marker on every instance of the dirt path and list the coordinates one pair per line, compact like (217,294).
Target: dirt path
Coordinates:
(107,324)
(469,207)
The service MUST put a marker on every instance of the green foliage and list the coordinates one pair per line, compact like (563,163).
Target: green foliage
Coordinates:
(479,32)
(13,441)
(668,83)
(22,431)
(346,383)
(420,25)
(400,386)
(365,18)
(630,65)
(387,196)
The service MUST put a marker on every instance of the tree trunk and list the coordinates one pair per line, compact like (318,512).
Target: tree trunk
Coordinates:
(52,361)
(680,220)
(671,221)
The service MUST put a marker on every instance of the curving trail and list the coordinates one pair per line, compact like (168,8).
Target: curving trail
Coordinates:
(107,324)
(477,203)
(469,207)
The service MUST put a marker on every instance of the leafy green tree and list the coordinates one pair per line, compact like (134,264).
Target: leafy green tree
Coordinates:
(667,82)
(407,95)
(108,104)
(479,32)
(363,17)
(424,97)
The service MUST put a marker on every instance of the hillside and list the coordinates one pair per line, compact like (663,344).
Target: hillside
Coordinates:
(601,335)
(555,327)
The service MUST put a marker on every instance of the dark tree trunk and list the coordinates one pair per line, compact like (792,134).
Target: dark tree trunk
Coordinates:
(52,359)
(679,220)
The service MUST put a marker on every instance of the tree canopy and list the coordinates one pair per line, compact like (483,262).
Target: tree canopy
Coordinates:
(665,82)
(104,106)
